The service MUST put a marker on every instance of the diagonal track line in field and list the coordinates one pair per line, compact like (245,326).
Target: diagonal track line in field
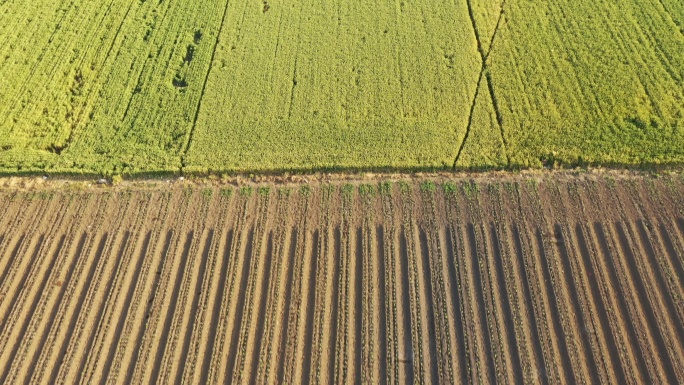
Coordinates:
(484,56)
(470,117)
(204,87)
(296,63)
(680,27)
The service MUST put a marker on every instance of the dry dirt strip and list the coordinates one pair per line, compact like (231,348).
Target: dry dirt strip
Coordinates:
(511,280)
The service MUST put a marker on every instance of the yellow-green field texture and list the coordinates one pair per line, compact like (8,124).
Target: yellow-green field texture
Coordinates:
(131,86)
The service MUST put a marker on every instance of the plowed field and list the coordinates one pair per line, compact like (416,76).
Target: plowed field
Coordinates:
(516,280)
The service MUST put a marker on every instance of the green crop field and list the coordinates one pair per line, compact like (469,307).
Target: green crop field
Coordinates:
(135,86)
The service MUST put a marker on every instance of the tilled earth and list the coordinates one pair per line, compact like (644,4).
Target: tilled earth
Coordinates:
(548,279)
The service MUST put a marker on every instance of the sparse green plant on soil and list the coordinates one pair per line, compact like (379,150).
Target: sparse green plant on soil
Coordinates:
(449,188)
(385,187)
(347,190)
(46,195)
(207,192)
(493,187)
(471,189)
(404,187)
(428,186)
(226,192)
(366,190)
(328,188)
(246,191)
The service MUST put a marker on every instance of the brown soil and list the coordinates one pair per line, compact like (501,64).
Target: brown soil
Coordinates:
(535,278)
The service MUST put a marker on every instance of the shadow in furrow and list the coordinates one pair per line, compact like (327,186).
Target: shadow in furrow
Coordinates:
(90,341)
(600,307)
(575,301)
(11,260)
(529,305)
(79,307)
(334,306)
(22,283)
(56,304)
(384,306)
(310,312)
(680,226)
(197,293)
(430,306)
(645,304)
(409,356)
(20,332)
(265,282)
(287,304)
(672,254)
(358,306)
(216,312)
(240,309)
(506,307)
(168,319)
(481,305)
(555,312)
(123,316)
(622,304)
(148,309)
(652,260)
(455,297)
